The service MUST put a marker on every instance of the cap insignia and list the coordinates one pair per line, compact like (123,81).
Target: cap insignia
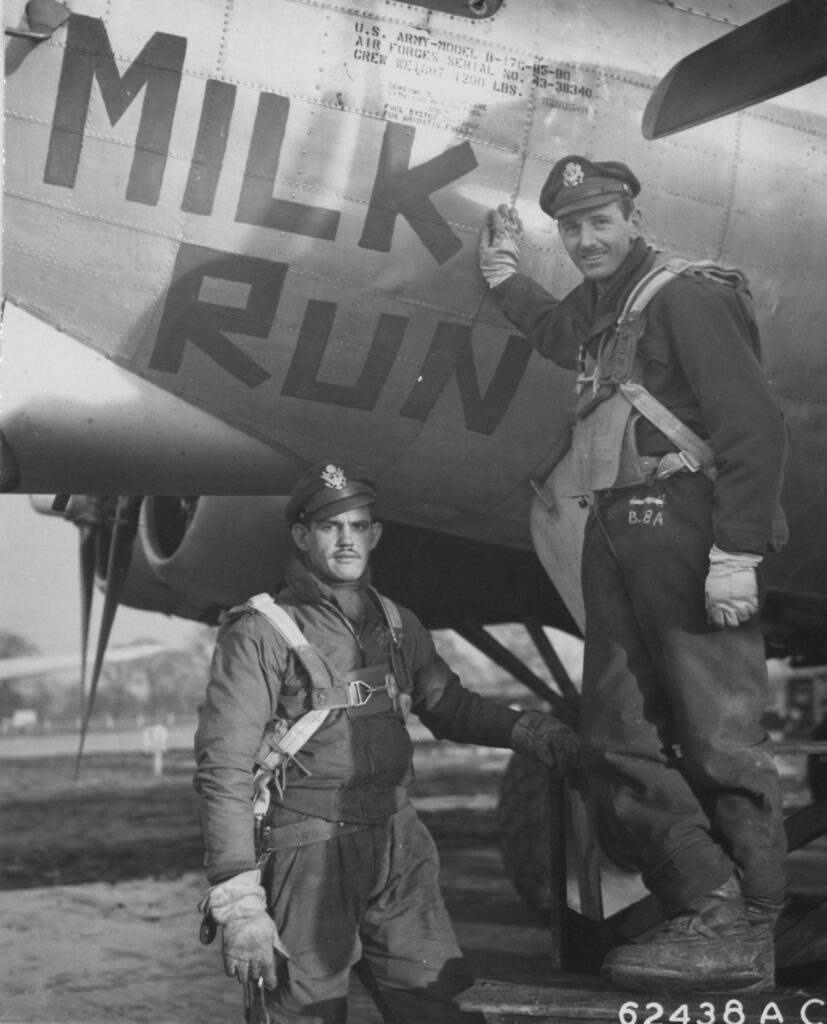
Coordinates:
(334,476)
(573,175)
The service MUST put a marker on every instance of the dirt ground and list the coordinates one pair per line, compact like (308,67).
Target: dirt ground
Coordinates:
(99,881)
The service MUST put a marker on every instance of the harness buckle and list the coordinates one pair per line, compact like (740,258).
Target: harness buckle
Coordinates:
(677,462)
(359,692)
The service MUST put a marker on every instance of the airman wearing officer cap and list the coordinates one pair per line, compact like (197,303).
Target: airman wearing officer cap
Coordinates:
(328,488)
(307,704)
(576,183)
(671,598)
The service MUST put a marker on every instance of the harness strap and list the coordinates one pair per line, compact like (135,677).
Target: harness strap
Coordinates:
(317,668)
(392,616)
(278,617)
(695,454)
(294,637)
(358,688)
(345,691)
(301,731)
(699,455)
(650,284)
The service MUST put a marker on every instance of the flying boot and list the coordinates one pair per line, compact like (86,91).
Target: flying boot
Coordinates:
(715,944)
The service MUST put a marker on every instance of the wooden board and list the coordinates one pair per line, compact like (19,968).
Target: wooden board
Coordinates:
(570,998)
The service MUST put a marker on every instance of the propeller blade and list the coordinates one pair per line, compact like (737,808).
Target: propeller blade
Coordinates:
(124,530)
(88,543)
(778,51)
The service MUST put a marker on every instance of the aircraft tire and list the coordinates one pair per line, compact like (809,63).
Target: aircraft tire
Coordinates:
(525,834)
(524,826)
(524,822)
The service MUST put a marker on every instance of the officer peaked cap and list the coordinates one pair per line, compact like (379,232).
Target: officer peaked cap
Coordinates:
(328,488)
(576,183)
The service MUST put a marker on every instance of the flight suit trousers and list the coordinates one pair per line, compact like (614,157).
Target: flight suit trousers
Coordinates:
(370,897)
(681,769)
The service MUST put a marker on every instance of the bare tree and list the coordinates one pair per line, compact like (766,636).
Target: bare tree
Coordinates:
(13,645)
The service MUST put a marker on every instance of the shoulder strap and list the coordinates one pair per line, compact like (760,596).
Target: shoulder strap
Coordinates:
(652,282)
(318,668)
(393,620)
(278,619)
(700,455)
(391,613)
(293,739)
(649,285)
(697,454)
(293,636)
(618,349)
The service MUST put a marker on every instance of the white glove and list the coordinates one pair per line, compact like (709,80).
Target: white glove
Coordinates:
(500,241)
(249,939)
(731,587)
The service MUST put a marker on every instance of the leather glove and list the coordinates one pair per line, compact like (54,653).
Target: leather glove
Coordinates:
(731,587)
(249,941)
(543,737)
(500,242)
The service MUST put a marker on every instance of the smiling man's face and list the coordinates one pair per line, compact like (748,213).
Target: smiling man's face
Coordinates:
(599,238)
(339,547)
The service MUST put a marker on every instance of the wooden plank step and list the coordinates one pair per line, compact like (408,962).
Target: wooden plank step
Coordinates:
(570,998)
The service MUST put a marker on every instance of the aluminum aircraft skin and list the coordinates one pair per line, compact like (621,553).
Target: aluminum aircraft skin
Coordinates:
(241,236)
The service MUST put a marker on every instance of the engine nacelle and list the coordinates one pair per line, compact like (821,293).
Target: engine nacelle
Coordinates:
(216,550)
